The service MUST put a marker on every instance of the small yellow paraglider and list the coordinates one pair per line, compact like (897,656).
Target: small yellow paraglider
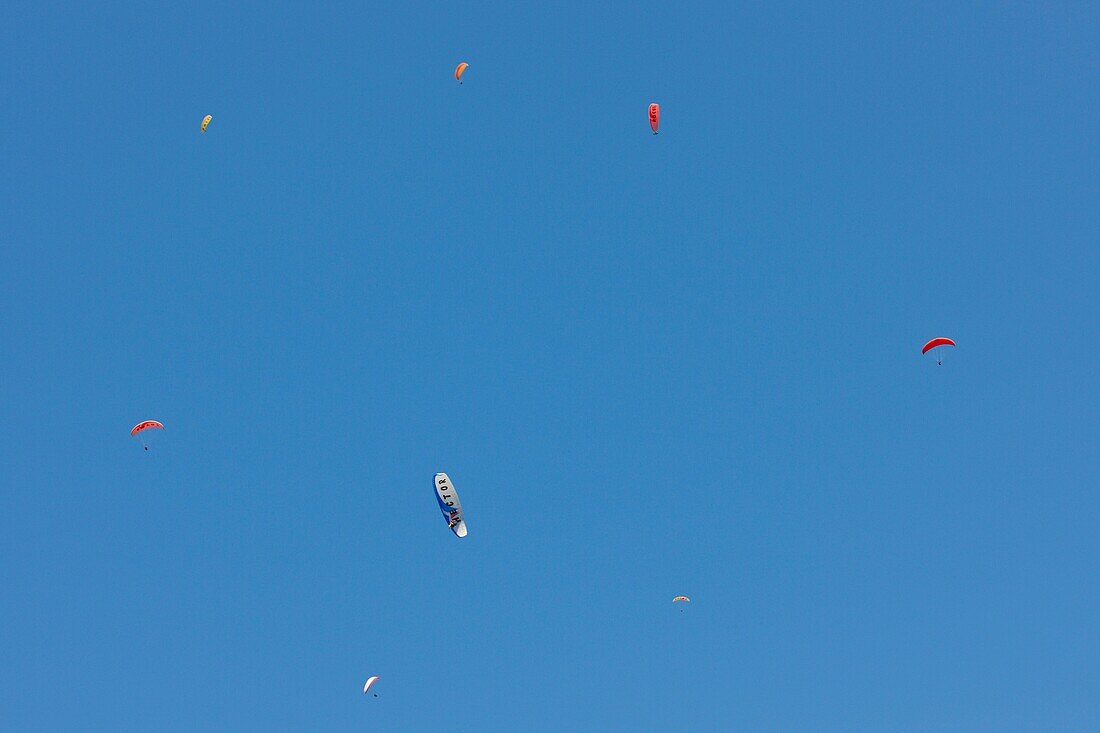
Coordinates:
(205,122)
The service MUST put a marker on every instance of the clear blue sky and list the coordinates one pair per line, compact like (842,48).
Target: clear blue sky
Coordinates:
(651,365)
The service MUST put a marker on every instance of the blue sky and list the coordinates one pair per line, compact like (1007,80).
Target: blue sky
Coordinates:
(683,364)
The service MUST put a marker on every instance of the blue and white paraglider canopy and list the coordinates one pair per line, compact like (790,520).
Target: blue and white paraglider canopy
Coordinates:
(449,504)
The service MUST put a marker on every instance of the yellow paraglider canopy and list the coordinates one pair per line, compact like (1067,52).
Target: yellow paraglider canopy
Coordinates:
(205,122)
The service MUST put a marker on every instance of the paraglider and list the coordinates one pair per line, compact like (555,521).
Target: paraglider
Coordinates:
(938,341)
(145,425)
(460,70)
(654,117)
(681,599)
(205,122)
(370,682)
(449,504)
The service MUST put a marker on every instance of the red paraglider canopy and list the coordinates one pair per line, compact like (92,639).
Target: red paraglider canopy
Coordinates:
(654,116)
(145,426)
(938,341)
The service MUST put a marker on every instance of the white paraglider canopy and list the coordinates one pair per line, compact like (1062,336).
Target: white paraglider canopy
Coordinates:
(449,504)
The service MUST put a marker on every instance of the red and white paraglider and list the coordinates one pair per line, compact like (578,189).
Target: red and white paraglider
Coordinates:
(654,117)
(936,343)
(143,426)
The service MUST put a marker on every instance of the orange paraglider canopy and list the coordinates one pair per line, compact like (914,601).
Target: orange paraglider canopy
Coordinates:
(145,426)
(938,341)
(654,117)
(460,70)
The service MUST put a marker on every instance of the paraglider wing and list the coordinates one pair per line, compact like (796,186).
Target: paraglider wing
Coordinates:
(460,70)
(449,504)
(654,117)
(938,341)
(205,122)
(370,682)
(680,599)
(145,426)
